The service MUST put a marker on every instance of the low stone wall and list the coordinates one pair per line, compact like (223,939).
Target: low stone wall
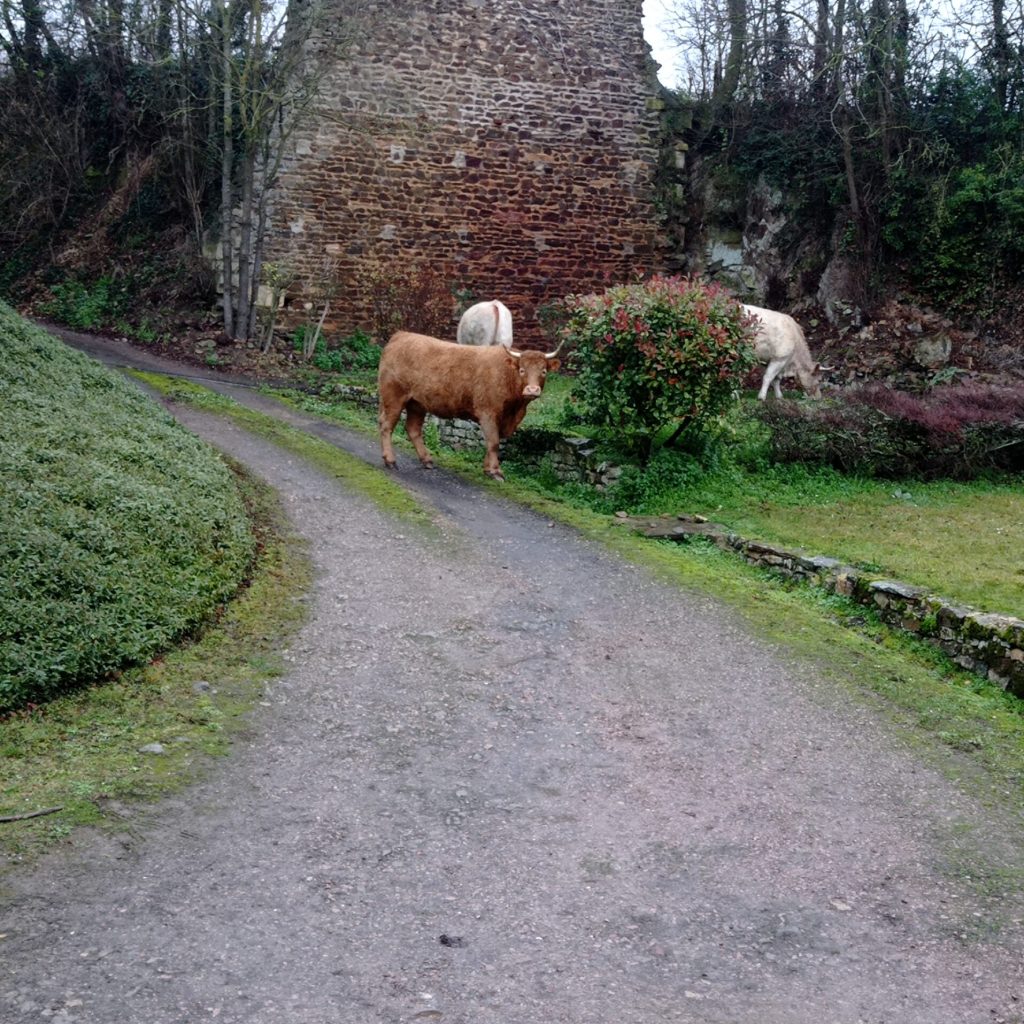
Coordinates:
(355,393)
(988,644)
(572,459)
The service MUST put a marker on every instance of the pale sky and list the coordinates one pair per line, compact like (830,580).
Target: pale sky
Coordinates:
(948,19)
(664,52)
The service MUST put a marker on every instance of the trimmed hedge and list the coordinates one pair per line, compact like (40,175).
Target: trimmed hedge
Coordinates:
(119,530)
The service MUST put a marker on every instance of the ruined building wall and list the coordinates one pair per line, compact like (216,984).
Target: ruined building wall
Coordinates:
(509,142)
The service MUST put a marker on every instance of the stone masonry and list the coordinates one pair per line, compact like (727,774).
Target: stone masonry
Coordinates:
(987,644)
(511,144)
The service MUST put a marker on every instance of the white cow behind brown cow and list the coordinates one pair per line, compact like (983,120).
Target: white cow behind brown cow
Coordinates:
(779,341)
(486,323)
(491,385)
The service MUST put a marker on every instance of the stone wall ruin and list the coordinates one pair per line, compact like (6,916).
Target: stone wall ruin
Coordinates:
(510,143)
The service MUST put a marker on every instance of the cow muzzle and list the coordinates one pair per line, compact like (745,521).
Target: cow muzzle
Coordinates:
(531,391)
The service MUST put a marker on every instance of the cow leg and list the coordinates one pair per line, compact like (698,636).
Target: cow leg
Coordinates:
(415,414)
(489,428)
(771,373)
(387,418)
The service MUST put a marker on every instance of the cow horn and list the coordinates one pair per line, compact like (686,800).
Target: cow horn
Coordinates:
(513,353)
(551,355)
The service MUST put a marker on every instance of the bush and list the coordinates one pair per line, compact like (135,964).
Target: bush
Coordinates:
(668,351)
(356,352)
(119,530)
(970,243)
(82,306)
(953,431)
(411,298)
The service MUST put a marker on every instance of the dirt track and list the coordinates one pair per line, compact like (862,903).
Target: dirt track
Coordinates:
(511,780)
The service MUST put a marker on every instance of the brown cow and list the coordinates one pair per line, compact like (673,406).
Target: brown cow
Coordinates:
(492,385)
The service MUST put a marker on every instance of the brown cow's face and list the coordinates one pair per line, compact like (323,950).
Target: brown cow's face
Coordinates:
(533,368)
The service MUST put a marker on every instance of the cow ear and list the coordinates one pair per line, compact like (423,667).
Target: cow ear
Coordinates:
(554,364)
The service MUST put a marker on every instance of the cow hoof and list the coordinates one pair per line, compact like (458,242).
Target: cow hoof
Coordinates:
(428,465)
(497,475)
(390,465)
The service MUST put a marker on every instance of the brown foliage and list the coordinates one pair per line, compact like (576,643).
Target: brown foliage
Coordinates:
(414,297)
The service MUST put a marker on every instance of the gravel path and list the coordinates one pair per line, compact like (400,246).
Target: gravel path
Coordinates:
(509,779)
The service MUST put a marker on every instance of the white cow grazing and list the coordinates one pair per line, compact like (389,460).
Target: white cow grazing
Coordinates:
(486,323)
(780,343)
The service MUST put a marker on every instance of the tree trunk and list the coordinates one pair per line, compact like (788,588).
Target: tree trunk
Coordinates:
(257,254)
(245,247)
(34,21)
(821,47)
(725,89)
(1000,53)
(226,167)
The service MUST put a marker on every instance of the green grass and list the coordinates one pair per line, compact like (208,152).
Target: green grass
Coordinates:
(956,539)
(959,540)
(120,532)
(546,412)
(348,469)
(81,752)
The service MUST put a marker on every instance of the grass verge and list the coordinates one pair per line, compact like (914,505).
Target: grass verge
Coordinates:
(82,751)
(332,461)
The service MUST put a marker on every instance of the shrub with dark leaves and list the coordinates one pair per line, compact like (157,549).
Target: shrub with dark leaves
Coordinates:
(952,431)
(410,297)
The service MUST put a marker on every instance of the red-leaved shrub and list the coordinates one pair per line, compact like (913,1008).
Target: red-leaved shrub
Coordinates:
(669,350)
(411,297)
(958,431)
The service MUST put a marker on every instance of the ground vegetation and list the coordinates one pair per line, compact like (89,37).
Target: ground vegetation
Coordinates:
(120,532)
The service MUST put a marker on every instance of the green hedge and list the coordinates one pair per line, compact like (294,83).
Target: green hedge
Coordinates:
(119,530)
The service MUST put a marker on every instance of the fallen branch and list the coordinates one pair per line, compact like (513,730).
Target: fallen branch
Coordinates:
(30,814)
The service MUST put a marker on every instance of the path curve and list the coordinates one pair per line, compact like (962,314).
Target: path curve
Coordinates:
(512,780)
